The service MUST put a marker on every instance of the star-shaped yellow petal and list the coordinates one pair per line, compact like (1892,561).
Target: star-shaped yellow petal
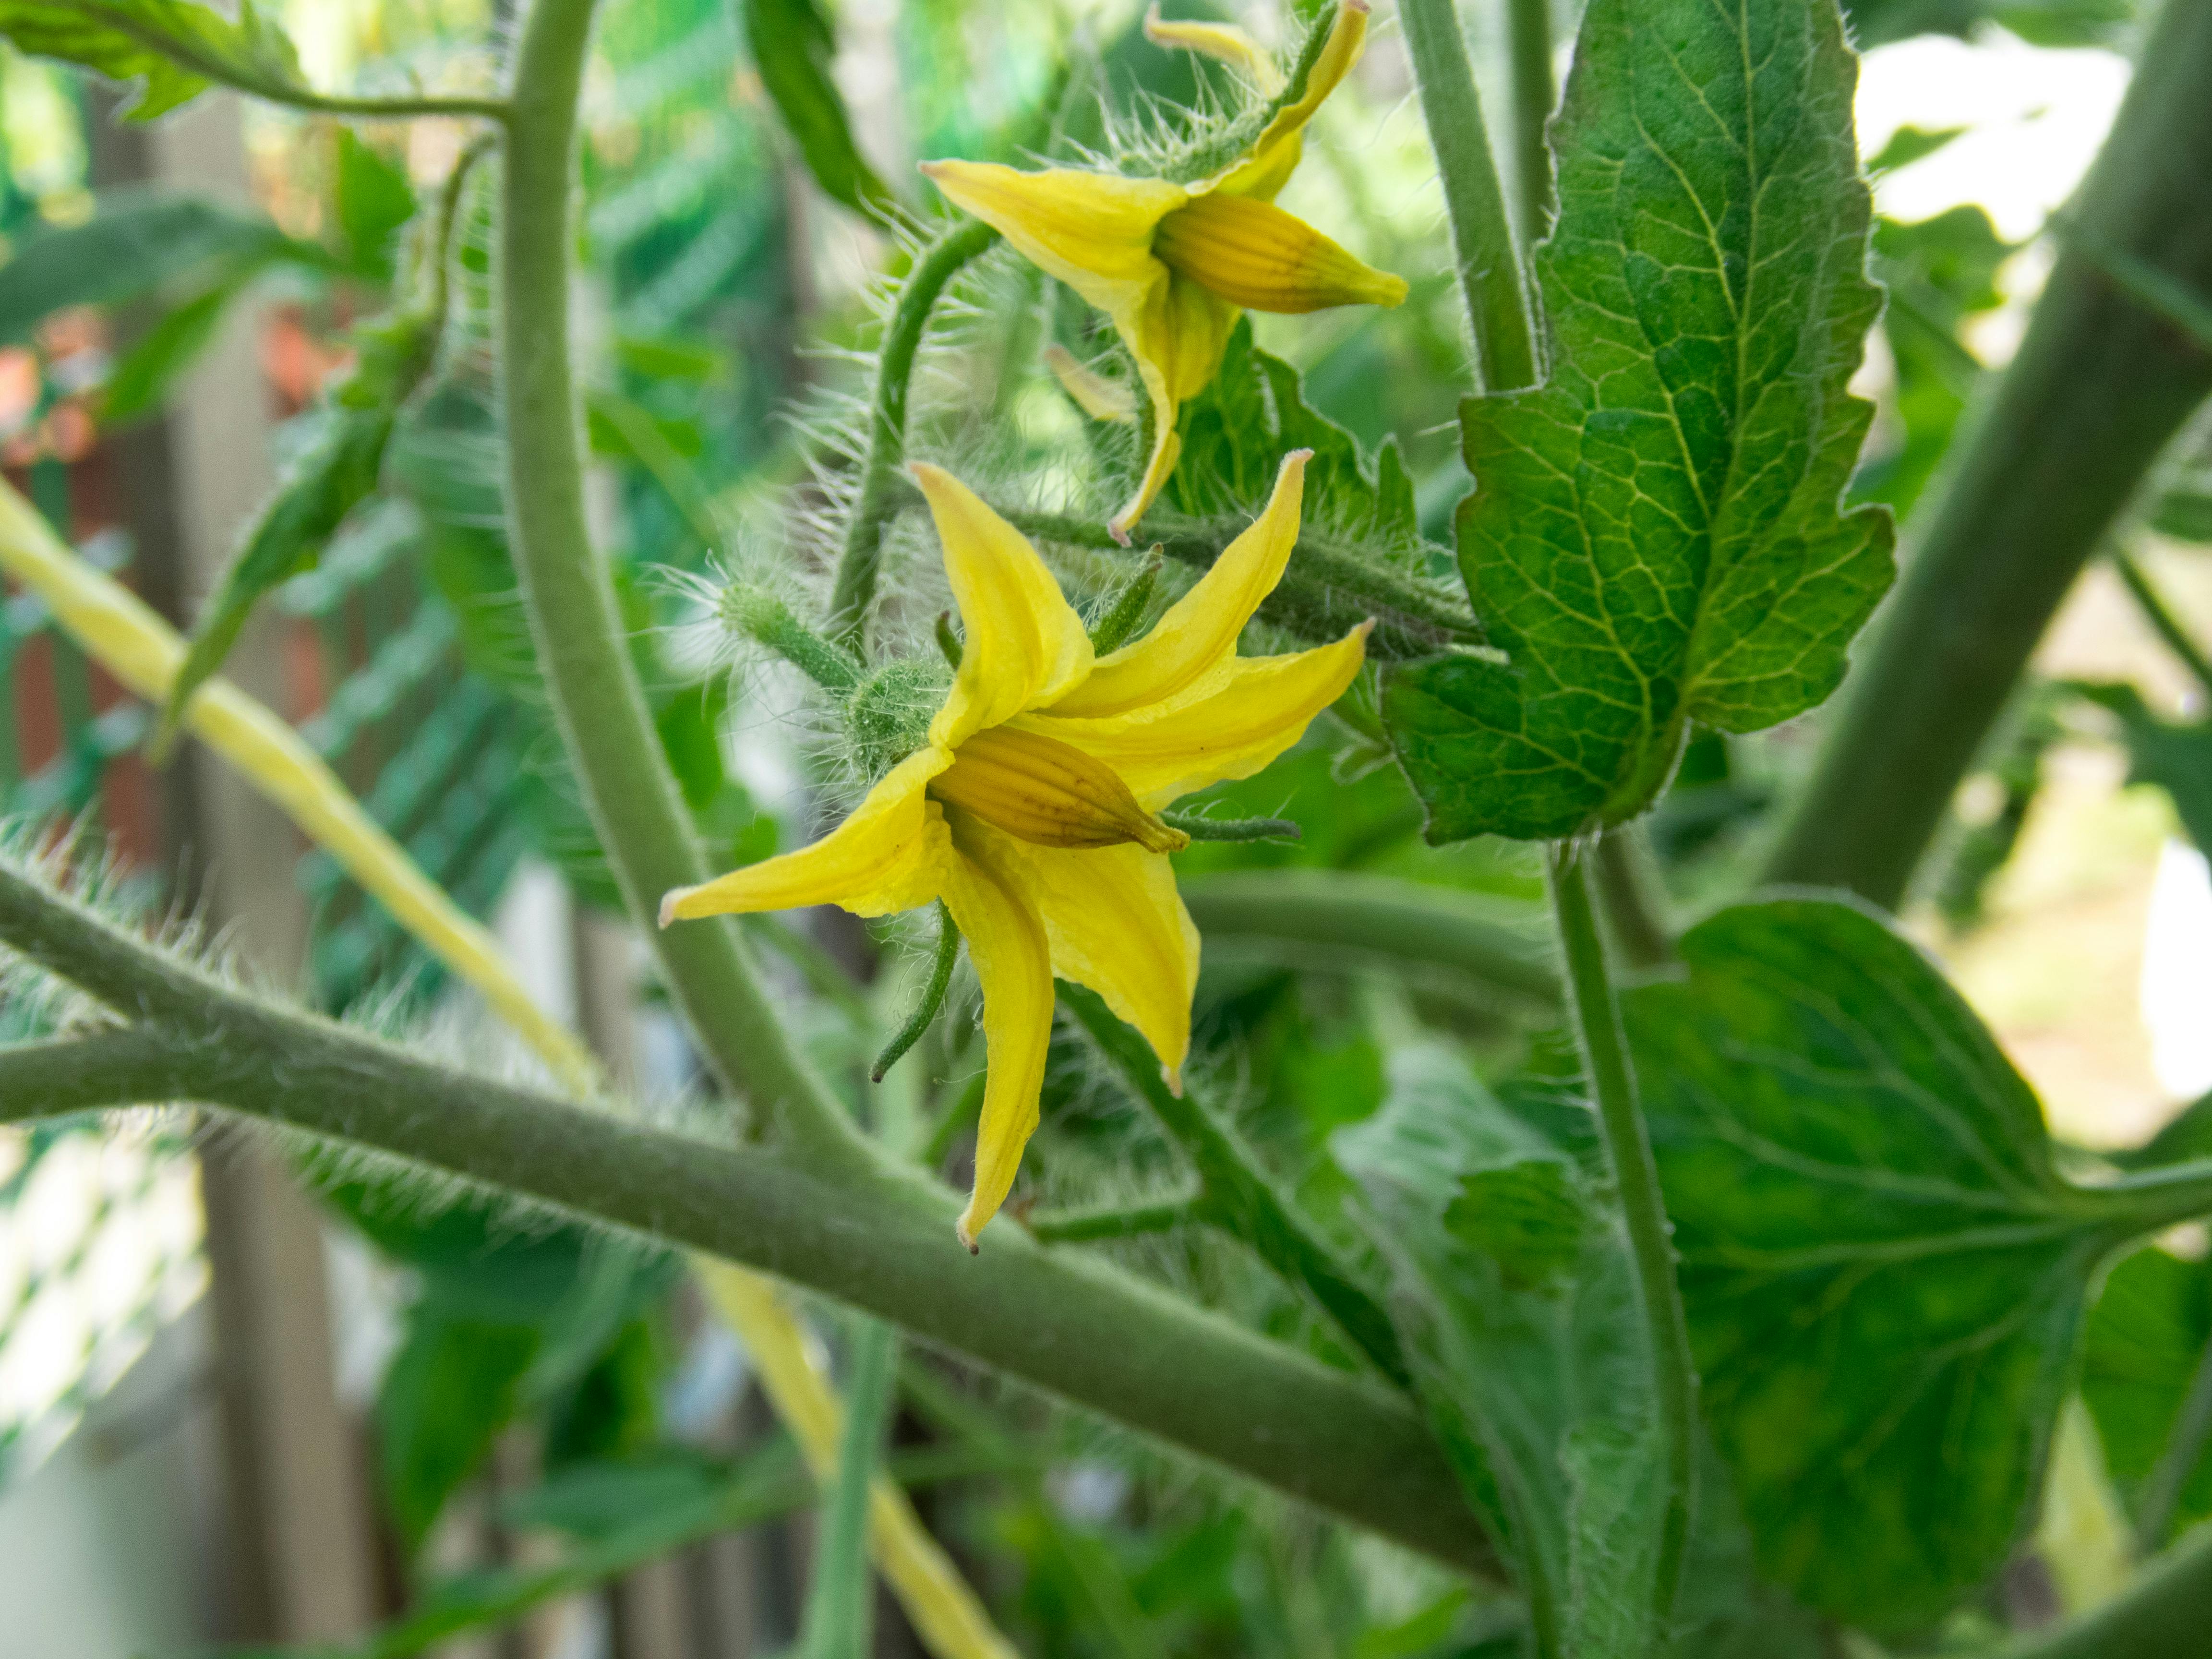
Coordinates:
(1171,265)
(1031,807)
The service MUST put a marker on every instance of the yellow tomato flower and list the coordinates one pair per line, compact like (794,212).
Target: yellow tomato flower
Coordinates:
(1031,808)
(1172,264)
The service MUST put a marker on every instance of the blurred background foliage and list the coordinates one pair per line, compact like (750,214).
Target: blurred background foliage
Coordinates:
(732,293)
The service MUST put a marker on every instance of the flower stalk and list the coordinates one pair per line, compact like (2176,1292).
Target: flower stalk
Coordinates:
(862,559)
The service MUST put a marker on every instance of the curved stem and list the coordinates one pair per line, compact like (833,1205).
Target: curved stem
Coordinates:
(2094,392)
(1121,1221)
(877,1238)
(1239,1196)
(1482,237)
(1636,1174)
(854,589)
(581,643)
(933,996)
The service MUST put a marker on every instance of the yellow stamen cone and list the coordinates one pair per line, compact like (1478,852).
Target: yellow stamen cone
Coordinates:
(1254,254)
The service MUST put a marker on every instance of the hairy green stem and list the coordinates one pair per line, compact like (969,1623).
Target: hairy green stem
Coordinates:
(2096,388)
(1529,34)
(874,1236)
(854,588)
(1604,1046)
(2185,1447)
(581,642)
(1238,1195)
(1326,591)
(1376,920)
(839,1601)
(1482,236)
(88,1073)
(2160,1615)
(1113,1221)
(2163,622)
(1198,827)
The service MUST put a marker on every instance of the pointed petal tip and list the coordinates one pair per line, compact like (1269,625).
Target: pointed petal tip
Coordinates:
(1172,1075)
(1119,530)
(669,901)
(967,1238)
(1359,6)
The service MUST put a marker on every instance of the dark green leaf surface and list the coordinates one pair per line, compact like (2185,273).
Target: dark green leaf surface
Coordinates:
(1885,1276)
(793,44)
(374,199)
(2148,1336)
(1359,540)
(1534,1386)
(174,47)
(452,1386)
(335,475)
(2174,756)
(1536,1393)
(144,373)
(1654,539)
(136,241)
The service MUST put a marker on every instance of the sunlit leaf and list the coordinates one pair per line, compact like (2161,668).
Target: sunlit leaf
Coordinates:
(174,48)
(2149,1336)
(1654,539)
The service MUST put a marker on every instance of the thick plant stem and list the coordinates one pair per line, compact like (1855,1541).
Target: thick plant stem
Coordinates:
(1636,1175)
(1239,1196)
(877,1238)
(2163,622)
(2098,387)
(1535,89)
(854,589)
(592,684)
(1482,236)
(2159,1616)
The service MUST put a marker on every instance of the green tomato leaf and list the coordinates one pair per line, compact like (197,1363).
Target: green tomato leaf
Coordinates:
(1535,1380)
(1654,540)
(1530,1390)
(2045,22)
(1360,551)
(793,44)
(138,241)
(2175,755)
(374,200)
(1885,1276)
(174,48)
(452,1386)
(1939,272)
(144,373)
(336,472)
(2144,1369)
